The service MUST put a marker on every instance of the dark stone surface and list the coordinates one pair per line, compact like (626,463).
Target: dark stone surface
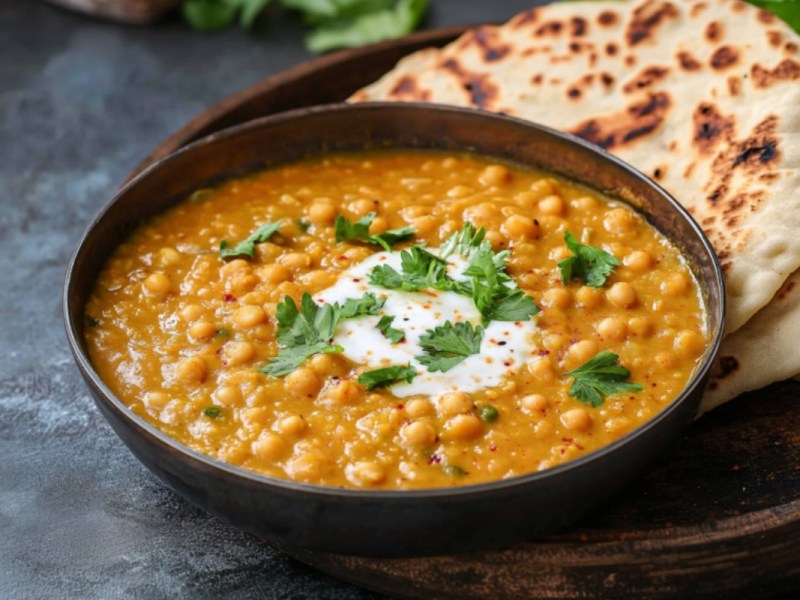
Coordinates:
(81,102)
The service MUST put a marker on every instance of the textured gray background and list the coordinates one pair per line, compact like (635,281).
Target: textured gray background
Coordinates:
(81,102)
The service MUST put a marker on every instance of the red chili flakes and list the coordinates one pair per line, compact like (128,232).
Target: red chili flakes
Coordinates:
(400,406)
(493,448)
(435,459)
(229,298)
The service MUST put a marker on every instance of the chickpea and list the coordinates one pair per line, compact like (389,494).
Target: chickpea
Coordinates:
(541,369)
(295,260)
(455,403)
(495,238)
(588,297)
(156,400)
(319,280)
(323,364)
(249,316)
(582,351)
(675,285)
(238,353)
(613,329)
(378,225)
(641,326)
(418,408)
(689,344)
(241,283)
(617,425)
(293,425)
(521,227)
(274,274)
(621,295)
(237,265)
(418,433)
(426,226)
(269,446)
(261,332)
(463,427)
(619,221)
(557,298)
(287,288)
(192,370)
(168,257)
(362,206)
(638,261)
(303,382)
(459,191)
(534,403)
(234,455)
(482,214)
(157,285)
(555,341)
(308,466)
(192,312)
(366,473)
(577,419)
(321,213)
(344,392)
(229,395)
(586,203)
(543,188)
(202,330)
(552,205)
(495,175)
(255,417)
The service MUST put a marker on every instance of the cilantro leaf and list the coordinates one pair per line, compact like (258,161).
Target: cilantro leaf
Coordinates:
(421,270)
(516,306)
(387,376)
(248,246)
(447,345)
(210,15)
(346,231)
(367,26)
(600,376)
(390,333)
(491,290)
(308,330)
(465,241)
(592,265)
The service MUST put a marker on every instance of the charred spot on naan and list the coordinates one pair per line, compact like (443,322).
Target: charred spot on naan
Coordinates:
(549,28)
(724,57)
(482,92)
(787,70)
(697,9)
(625,127)
(710,128)
(774,38)
(524,18)
(688,62)
(487,39)
(726,366)
(645,78)
(713,32)
(734,85)
(647,17)
(407,89)
(607,18)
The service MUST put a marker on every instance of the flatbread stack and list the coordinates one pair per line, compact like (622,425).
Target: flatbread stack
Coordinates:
(702,96)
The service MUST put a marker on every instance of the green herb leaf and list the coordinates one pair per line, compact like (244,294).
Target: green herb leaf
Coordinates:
(215,412)
(347,231)
(303,224)
(465,241)
(367,26)
(209,15)
(387,376)
(490,288)
(516,306)
(250,9)
(447,345)
(592,265)
(248,246)
(788,10)
(308,330)
(390,333)
(599,377)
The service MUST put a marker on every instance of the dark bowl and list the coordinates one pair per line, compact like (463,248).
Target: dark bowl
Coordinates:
(388,523)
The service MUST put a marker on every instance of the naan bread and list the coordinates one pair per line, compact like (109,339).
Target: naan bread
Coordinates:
(703,96)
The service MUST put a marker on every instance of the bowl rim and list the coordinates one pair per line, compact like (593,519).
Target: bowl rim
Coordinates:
(227,469)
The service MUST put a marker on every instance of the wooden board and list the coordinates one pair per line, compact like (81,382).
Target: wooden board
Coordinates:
(720,513)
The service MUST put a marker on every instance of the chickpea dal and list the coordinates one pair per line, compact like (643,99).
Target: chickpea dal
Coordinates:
(396,320)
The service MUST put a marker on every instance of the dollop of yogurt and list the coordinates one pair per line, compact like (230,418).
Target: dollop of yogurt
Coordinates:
(505,348)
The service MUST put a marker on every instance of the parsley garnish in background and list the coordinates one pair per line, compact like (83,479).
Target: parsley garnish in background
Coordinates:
(592,265)
(390,333)
(336,23)
(600,376)
(387,376)
(248,246)
(447,345)
(347,231)
(308,330)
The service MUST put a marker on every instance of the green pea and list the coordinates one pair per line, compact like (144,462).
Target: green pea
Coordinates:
(215,412)
(453,471)
(488,413)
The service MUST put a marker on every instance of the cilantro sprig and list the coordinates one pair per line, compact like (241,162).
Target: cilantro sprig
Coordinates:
(248,246)
(599,377)
(449,344)
(420,270)
(309,329)
(592,265)
(390,333)
(387,376)
(347,231)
